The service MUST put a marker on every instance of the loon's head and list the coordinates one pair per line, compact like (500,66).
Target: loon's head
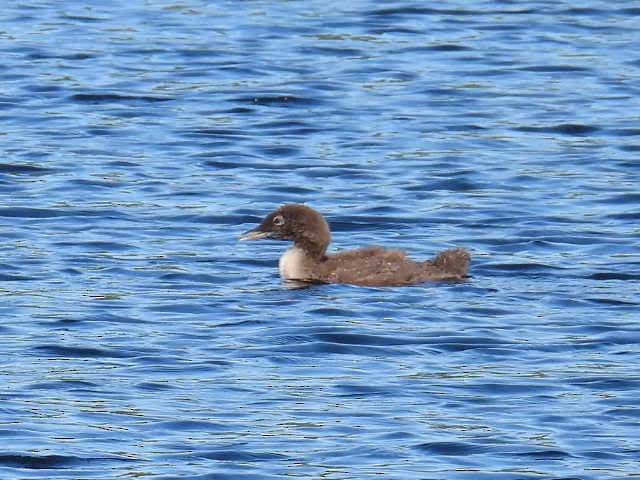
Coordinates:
(296,223)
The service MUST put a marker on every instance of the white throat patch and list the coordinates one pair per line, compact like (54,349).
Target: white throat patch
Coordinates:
(291,264)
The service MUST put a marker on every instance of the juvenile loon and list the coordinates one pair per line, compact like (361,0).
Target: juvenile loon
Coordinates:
(308,261)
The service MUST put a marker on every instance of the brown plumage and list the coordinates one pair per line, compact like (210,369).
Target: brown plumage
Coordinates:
(308,261)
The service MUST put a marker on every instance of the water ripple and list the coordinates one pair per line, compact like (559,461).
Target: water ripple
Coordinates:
(142,339)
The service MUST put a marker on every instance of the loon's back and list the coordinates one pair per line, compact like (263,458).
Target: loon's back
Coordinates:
(378,266)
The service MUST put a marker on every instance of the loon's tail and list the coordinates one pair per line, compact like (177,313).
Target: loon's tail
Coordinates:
(454,261)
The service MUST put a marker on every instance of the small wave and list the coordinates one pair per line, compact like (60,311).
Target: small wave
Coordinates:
(457,12)
(278,151)
(614,276)
(239,456)
(606,384)
(451,448)
(332,51)
(115,98)
(363,339)
(63,351)
(99,246)
(23,169)
(358,390)
(36,462)
(196,278)
(553,68)
(625,198)
(545,454)
(278,100)
(40,462)
(191,426)
(5,277)
(563,129)
(521,267)
(613,301)
(33,212)
(29,212)
(626,132)
(625,216)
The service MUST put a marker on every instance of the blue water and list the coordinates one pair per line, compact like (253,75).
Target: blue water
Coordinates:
(140,339)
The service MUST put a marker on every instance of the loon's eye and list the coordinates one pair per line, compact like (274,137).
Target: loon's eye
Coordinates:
(278,220)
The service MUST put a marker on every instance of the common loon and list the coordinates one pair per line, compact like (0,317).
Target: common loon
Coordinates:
(308,261)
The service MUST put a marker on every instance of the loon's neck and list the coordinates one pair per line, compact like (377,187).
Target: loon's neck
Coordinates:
(294,264)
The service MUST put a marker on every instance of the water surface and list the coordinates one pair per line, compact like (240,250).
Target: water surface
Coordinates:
(139,338)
